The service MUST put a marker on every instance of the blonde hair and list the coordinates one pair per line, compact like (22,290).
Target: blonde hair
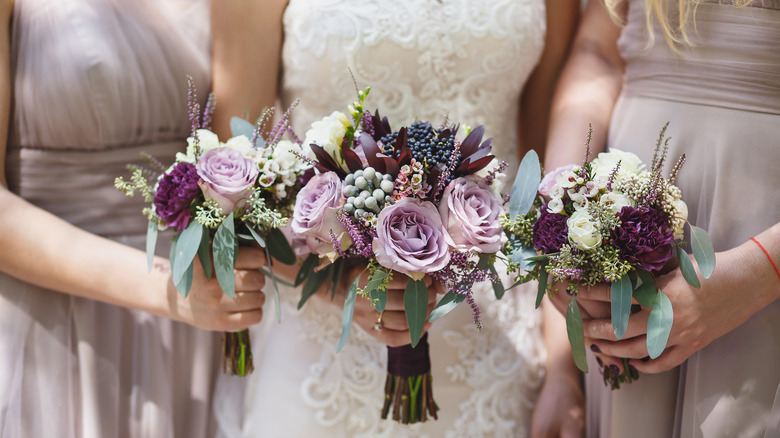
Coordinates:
(676,26)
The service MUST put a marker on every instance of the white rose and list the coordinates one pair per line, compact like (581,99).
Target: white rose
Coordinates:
(583,231)
(615,201)
(680,217)
(606,161)
(328,133)
(207,140)
(242,144)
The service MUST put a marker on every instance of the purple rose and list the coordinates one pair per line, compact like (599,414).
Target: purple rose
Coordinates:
(551,178)
(314,214)
(175,192)
(470,214)
(644,237)
(227,177)
(550,231)
(410,238)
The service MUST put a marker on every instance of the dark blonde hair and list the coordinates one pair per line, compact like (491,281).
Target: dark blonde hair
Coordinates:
(675,26)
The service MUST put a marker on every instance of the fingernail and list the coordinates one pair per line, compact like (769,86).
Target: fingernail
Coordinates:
(615,369)
(600,362)
(595,348)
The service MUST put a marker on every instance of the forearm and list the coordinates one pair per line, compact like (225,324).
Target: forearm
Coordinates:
(44,250)
(587,90)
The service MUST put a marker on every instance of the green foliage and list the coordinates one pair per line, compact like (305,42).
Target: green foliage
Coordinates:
(449,301)
(576,336)
(151,243)
(416,307)
(224,255)
(645,291)
(687,269)
(525,187)
(349,309)
(209,214)
(621,292)
(702,251)
(659,325)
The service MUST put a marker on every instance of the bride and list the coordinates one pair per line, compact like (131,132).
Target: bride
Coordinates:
(477,62)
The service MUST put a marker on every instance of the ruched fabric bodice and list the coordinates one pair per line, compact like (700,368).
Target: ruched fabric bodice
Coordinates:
(95,84)
(721,98)
(467,59)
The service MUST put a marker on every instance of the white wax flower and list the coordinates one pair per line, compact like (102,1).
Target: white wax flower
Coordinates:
(555,205)
(583,231)
(615,201)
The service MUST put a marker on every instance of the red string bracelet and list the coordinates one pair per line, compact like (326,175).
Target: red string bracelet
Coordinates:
(777,271)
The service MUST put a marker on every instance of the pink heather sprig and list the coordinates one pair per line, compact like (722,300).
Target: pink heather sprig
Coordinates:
(573,274)
(193,112)
(451,166)
(475,310)
(153,161)
(208,112)
(613,175)
(368,125)
(583,169)
(337,245)
(261,122)
(491,176)
(282,126)
(676,170)
(361,237)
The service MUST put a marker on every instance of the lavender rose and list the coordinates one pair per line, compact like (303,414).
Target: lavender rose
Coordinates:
(470,214)
(227,177)
(550,231)
(644,237)
(314,214)
(175,192)
(411,239)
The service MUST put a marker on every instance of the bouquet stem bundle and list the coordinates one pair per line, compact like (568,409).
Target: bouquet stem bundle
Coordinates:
(408,388)
(237,353)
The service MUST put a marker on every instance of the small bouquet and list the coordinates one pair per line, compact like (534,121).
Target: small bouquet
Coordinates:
(418,201)
(609,220)
(218,195)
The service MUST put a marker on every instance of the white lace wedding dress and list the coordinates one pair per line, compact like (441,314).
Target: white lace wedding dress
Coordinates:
(423,59)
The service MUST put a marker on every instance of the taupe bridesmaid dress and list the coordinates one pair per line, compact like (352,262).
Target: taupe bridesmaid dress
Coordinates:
(722,99)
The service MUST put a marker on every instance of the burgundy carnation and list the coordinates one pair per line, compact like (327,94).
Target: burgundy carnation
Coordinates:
(550,231)
(175,192)
(644,237)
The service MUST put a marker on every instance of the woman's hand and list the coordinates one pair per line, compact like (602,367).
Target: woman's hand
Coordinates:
(394,330)
(560,409)
(208,307)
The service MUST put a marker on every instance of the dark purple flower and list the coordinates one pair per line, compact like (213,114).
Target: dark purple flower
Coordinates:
(175,192)
(550,231)
(644,237)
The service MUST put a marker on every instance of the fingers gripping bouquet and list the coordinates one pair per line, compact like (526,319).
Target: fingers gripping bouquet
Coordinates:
(418,201)
(218,195)
(609,220)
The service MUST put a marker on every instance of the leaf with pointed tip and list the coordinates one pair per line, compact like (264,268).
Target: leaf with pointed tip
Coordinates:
(349,309)
(542,283)
(621,292)
(576,335)
(371,150)
(186,247)
(184,284)
(416,307)
(526,185)
(391,166)
(256,236)
(702,251)
(405,156)
(204,254)
(313,283)
(645,291)
(325,160)
(526,257)
(280,247)
(470,166)
(151,244)
(378,296)
(401,141)
(224,252)
(659,325)
(471,143)
(306,269)
(449,301)
(687,269)
(239,126)
(351,158)
(498,288)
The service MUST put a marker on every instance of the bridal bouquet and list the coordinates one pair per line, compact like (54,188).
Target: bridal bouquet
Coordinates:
(609,220)
(217,195)
(417,201)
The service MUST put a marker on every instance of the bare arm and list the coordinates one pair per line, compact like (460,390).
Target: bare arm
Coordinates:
(44,250)
(587,89)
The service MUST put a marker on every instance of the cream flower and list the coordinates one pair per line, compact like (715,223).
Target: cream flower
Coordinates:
(328,133)
(583,231)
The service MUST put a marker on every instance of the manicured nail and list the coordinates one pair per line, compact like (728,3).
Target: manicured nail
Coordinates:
(601,363)
(595,348)
(615,369)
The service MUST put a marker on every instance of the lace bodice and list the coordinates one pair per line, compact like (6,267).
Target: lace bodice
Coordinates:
(423,59)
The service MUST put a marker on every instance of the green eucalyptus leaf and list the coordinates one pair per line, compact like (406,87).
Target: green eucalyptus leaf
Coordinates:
(526,257)
(277,304)
(576,335)
(645,290)
(542,287)
(349,308)
(659,325)
(498,287)
(151,244)
(687,269)
(621,293)
(260,241)
(306,269)
(702,251)
(280,247)
(372,288)
(449,301)
(224,256)
(416,307)
(239,126)
(313,283)
(526,185)
(186,247)
(204,254)
(185,282)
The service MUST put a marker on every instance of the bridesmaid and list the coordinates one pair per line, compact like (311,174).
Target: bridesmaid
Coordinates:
(715,76)
(91,344)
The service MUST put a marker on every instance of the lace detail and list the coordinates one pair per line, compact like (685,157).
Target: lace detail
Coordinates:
(423,59)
